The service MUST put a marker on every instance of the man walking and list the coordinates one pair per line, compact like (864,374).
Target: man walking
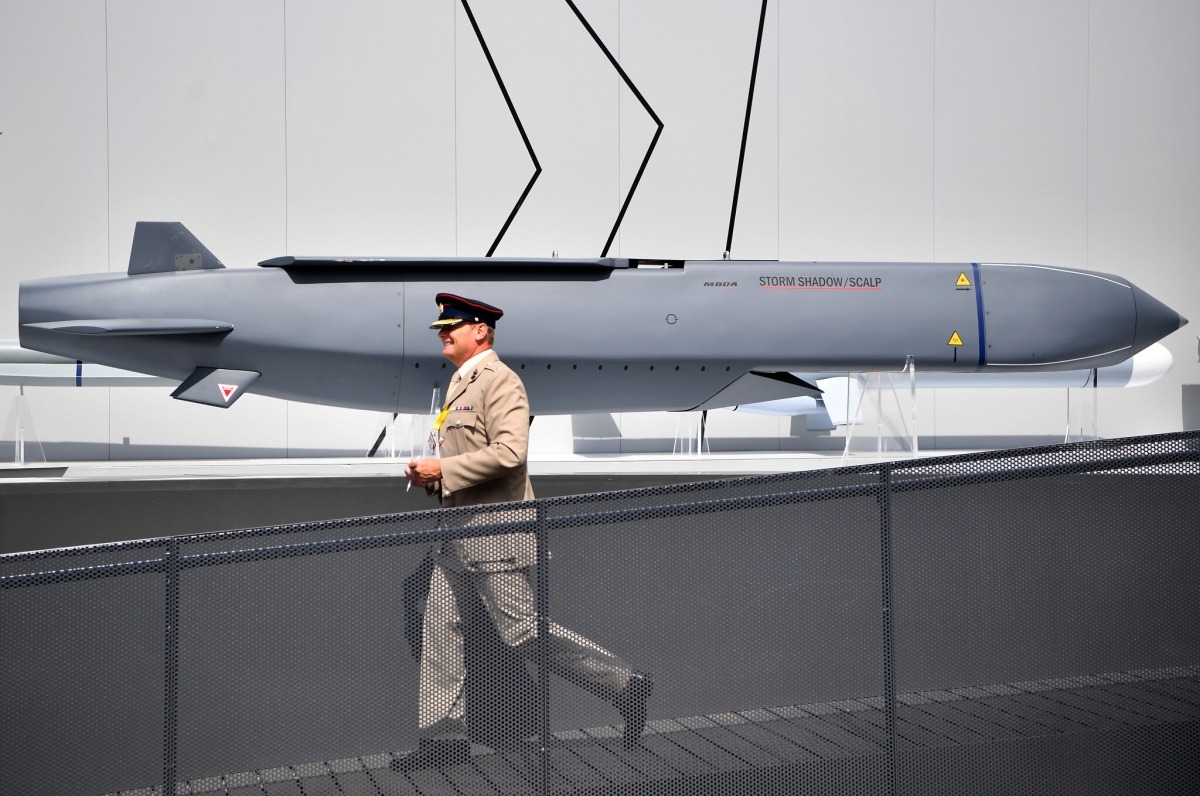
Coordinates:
(482,438)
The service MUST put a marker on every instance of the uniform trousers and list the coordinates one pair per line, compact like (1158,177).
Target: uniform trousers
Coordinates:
(509,600)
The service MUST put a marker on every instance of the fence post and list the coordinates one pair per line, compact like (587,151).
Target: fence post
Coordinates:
(171,675)
(543,648)
(889,640)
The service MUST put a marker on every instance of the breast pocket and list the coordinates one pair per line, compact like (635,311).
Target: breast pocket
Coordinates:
(462,432)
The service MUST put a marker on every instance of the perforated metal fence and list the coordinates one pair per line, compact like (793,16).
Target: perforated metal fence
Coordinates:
(1012,622)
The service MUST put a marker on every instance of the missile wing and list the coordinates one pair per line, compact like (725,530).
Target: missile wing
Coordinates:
(590,335)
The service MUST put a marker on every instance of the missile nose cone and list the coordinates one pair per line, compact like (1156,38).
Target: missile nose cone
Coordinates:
(1154,320)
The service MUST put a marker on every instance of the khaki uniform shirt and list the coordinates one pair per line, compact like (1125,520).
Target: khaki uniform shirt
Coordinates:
(484,443)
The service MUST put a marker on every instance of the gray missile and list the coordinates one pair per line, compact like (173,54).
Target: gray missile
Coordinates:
(586,335)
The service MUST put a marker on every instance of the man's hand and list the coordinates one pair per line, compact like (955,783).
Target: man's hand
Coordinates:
(423,472)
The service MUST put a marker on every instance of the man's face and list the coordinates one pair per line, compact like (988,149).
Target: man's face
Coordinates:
(462,341)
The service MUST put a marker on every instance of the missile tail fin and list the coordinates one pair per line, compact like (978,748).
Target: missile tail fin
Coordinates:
(166,247)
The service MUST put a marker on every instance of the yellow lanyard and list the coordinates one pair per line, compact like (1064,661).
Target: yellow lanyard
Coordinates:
(441,418)
(437,424)
(433,447)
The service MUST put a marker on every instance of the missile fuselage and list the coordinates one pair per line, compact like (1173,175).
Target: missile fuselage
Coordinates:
(590,335)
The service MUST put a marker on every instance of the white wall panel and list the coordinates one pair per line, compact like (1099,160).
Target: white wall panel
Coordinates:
(564,92)
(314,430)
(53,181)
(69,423)
(370,128)
(1011,132)
(53,166)
(1144,178)
(692,63)
(196,123)
(1058,132)
(145,423)
(856,128)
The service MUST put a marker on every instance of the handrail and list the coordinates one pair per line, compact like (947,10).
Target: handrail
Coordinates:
(901,480)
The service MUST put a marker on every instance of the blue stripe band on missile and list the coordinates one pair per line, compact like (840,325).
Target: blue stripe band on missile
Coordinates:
(78,373)
(979,314)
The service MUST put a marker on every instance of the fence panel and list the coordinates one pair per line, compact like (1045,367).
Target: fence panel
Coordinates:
(82,673)
(1035,591)
(1015,622)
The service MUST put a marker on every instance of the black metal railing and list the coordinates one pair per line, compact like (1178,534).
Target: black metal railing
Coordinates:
(791,623)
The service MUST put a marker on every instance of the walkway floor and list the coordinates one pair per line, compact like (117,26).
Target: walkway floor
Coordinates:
(694,753)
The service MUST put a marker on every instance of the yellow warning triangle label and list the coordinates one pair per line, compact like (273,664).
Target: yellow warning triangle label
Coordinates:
(962,280)
(954,340)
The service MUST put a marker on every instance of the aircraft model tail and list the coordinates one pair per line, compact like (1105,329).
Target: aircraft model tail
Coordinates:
(168,246)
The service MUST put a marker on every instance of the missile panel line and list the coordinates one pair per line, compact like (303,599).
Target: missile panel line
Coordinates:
(1061,361)
(1077,271)
(980,316)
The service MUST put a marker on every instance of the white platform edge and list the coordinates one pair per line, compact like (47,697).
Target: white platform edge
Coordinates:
(706,465)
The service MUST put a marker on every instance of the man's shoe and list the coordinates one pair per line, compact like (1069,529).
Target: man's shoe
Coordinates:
(631,704)
(434,754)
